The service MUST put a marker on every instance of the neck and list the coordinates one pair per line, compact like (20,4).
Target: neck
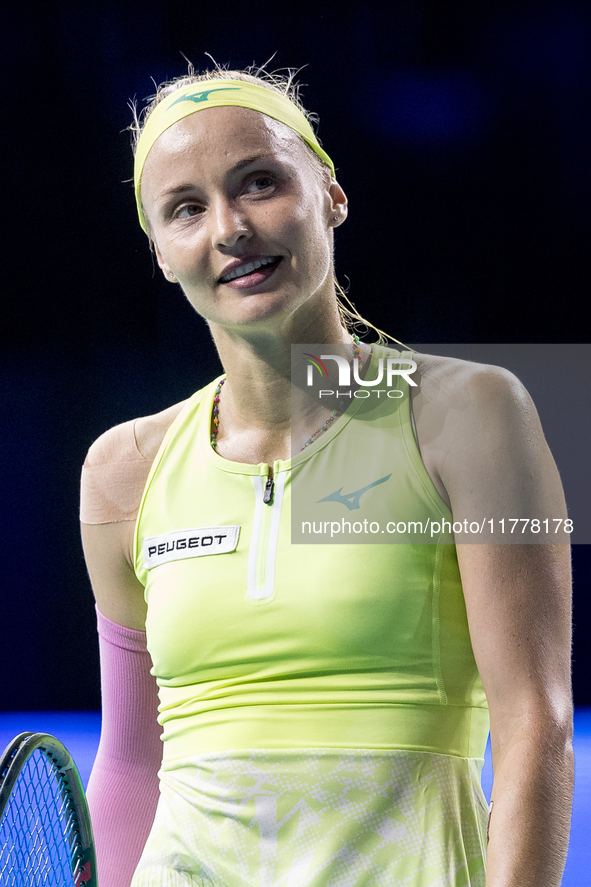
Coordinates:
(255,403)
(258,368)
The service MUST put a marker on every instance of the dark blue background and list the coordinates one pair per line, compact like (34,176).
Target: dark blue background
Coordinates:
(460,132)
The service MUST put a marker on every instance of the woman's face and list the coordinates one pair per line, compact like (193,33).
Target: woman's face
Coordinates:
(241,217)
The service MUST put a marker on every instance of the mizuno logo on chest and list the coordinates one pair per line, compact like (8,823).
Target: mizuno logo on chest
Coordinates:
(182,544)
(351,500)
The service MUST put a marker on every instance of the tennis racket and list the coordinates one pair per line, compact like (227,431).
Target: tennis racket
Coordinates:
(45,830)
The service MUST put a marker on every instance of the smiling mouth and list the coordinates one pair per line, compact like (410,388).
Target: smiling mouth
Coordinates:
(265,262)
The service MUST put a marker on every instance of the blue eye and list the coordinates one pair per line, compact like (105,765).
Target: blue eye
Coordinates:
(188,211)
(260,183)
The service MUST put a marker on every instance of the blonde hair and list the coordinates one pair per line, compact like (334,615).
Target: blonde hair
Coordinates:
(286,85)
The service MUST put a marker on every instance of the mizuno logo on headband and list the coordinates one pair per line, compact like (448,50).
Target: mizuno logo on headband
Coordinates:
(203,96)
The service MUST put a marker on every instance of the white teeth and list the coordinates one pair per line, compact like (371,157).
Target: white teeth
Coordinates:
(247,269)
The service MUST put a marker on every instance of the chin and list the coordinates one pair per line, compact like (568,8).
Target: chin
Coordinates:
(259,307)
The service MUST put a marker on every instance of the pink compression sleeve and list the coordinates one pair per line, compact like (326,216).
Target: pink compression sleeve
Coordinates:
(123,786)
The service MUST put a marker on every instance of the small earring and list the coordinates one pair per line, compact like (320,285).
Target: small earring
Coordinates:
(171,276)
(335,218)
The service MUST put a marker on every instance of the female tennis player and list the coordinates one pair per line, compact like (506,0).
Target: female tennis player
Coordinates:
(318,712)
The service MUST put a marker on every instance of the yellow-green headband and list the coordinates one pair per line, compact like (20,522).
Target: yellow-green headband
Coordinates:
(213,94)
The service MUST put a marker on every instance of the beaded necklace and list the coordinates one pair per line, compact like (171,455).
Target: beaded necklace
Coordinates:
(215,420)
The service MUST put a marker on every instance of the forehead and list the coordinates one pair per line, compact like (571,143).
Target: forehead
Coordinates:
(216,139)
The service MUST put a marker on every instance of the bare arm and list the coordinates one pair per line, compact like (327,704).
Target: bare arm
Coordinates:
(493,461)
(108,553)
(519,614)
(113,480)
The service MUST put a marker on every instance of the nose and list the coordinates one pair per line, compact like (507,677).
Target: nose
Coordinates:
(229,225)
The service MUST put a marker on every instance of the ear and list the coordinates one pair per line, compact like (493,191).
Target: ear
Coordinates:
(168,274)
(339,204)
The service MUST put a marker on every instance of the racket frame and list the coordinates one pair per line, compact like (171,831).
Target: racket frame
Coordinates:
(12,762)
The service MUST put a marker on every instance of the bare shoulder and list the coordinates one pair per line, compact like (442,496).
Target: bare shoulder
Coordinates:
(482,442)
(117,466)
(138,439)
(465,384)
(454,396)
(113,480)
(150,430)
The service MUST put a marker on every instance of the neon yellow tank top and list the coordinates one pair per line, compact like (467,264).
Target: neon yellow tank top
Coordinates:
(261,643)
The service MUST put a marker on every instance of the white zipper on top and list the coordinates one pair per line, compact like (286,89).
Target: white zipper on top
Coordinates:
(265,535)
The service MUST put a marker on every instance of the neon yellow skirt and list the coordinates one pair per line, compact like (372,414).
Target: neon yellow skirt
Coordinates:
(318,818)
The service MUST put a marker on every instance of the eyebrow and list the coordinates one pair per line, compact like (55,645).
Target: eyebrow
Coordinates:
(248,160)
(178,189)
